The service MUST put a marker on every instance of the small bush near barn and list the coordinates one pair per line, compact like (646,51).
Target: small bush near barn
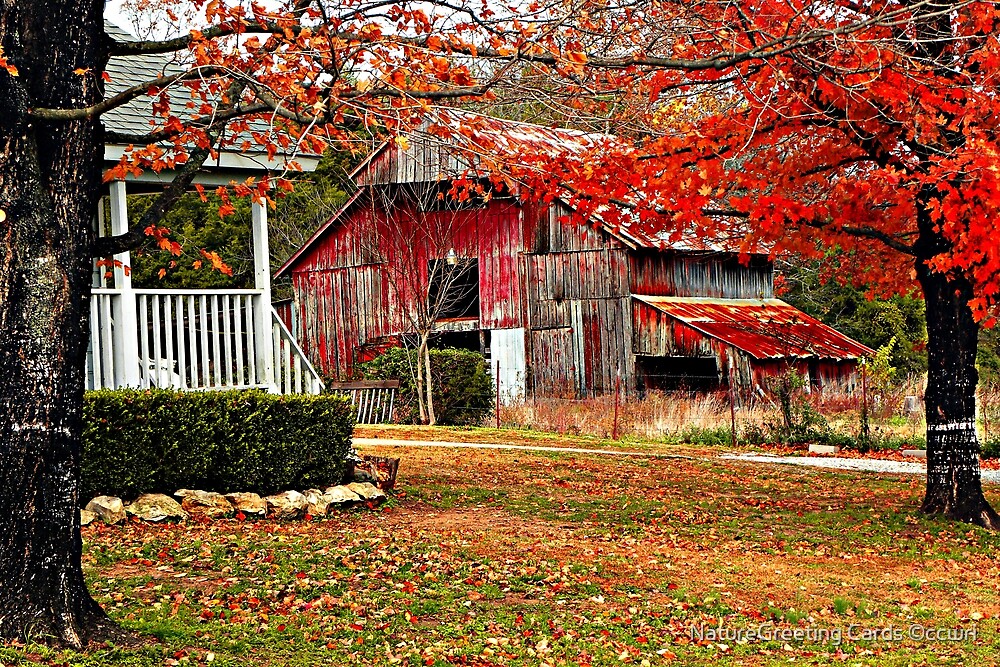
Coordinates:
(462,385)
(159,441)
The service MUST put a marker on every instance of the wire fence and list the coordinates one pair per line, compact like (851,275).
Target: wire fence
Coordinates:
(869,415)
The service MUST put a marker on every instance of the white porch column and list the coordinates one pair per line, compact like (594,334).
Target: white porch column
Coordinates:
(126,332)
(263,326)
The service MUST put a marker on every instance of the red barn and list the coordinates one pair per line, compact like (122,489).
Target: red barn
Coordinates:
(565,308)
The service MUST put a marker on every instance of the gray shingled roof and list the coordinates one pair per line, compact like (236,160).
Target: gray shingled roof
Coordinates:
(135,117)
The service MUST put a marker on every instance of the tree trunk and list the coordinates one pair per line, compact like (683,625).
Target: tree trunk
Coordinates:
(49,185)
(419,379)
(954,486)
(429,384)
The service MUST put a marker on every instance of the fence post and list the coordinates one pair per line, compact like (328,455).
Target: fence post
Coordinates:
(497,408)
(126,327)
(618,391)
(732,408)
(263,326)
(865,435)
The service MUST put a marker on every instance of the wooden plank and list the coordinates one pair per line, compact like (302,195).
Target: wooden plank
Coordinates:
(276,346)
(238,340)
(154,358)
(227,340)
(144,339)
(181,342)
(95,341)
(216,344)
(287,360)
(251,340)
(107,343)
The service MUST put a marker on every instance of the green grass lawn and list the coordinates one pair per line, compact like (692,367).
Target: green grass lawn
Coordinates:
(517,558)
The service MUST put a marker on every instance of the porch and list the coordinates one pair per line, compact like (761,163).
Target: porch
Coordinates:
(190,339)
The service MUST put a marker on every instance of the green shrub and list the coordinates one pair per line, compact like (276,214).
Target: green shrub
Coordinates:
(159,441)
(991,448)
(705,437)
(462,386)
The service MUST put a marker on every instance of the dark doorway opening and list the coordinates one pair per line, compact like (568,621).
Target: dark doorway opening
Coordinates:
(677,373)
(462,340)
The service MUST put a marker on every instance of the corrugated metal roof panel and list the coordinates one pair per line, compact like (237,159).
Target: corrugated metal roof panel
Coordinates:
(764,329)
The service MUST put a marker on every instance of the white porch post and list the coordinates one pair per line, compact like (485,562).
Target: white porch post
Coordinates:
(126,332)
(263,326)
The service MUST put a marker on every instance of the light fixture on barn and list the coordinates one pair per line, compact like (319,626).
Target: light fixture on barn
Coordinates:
(451,257)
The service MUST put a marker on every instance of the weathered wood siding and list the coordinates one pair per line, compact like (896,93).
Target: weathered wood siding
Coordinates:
(424,159)
(348,299)
(656,334)
(578,302)
(658,273)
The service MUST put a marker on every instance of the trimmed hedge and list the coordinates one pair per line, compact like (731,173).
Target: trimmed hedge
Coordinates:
(463,387)
(158,441)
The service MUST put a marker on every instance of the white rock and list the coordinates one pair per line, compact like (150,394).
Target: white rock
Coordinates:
(107,508)
(340,495)
(318,504)
(156,507)
(367,491)
(287,505)
(248,503)
(87,517)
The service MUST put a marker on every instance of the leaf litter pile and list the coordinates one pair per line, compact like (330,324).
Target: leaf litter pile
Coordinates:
(514,558)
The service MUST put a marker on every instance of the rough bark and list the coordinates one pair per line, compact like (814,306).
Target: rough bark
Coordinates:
(954,486)
(49,185)
(954,483)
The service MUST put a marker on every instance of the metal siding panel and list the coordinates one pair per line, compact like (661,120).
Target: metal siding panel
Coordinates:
(507,348)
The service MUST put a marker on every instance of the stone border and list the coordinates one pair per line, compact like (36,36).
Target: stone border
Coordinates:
(285,506)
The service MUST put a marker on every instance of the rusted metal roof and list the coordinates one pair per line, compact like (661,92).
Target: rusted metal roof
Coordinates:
(453,143)
(764,329)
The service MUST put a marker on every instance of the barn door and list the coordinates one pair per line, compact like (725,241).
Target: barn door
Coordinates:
(553,367)
(507,348)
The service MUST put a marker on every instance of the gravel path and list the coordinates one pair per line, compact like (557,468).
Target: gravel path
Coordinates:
(388,442)
(857,465)
(861,465)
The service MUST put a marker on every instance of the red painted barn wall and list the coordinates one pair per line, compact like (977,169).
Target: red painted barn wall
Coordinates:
(721,275)
(578,307)
(349,300)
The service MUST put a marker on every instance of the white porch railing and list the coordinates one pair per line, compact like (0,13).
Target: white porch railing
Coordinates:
(194,340)
(293,373)
(191,339)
